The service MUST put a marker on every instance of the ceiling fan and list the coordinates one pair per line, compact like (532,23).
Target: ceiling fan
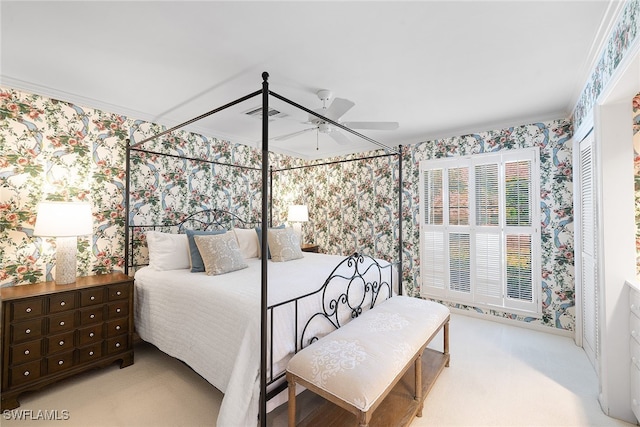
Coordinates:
(338,107)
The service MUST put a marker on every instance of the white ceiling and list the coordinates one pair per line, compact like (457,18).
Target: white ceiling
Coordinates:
(439,68)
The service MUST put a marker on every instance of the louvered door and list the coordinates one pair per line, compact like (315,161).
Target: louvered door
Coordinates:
(588,233)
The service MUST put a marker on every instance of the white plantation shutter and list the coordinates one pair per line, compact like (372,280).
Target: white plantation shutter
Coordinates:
(433,261)
(460,263)
(488,230)
(488,262)
(487,195)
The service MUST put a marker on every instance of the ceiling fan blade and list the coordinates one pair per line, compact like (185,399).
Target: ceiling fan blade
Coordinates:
(294,134)
(339,137)
(372,125)
(338,107)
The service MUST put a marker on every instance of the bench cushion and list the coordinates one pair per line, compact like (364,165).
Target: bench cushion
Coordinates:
(357,362)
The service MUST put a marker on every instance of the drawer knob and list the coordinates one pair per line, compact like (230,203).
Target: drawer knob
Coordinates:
(117,344)
(61,342)
(62,323)
(92,298)
(633,307)
(62,303)
(634,334)
(92,316)
(91,353)
(28,310)
(118,310)
(28,331)
(91,334)
(117,327)
(27,352)
(60,362)
(118,293)
(26,373)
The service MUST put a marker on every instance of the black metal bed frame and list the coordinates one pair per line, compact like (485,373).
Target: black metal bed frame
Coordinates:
(267,172)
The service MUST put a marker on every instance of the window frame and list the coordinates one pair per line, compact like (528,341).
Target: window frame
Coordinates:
(436,281)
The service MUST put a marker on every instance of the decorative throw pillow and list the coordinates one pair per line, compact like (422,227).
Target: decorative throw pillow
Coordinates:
(197,265)
(284,245)
(167,251)
(220,253)
(259,231)
(247,241)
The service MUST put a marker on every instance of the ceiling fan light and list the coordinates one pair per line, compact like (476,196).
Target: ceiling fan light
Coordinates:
(324,128)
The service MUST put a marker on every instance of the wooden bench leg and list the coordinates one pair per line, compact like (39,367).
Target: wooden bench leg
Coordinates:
(418,383)
(363,419)
(446,341)
(292,401)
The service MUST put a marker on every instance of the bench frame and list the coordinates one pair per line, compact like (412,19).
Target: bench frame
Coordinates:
(364,417)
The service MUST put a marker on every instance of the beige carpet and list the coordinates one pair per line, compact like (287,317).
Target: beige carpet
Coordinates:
(500,375)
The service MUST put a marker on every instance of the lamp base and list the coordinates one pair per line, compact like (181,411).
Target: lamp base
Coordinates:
(297,228)
(66,260)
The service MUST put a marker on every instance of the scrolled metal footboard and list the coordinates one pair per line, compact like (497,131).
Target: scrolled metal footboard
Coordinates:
(355,285)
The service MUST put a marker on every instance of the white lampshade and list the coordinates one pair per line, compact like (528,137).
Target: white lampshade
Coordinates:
(298,213)
(63,219)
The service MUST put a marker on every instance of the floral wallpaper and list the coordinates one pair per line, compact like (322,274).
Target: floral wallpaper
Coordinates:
(55,150)
(636,167)
(620,40)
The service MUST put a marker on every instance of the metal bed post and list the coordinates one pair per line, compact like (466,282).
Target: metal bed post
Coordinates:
(400,190)
(126,207)
(264,249)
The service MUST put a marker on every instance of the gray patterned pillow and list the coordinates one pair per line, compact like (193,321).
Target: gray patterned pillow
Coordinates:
(284,245)
(220,253)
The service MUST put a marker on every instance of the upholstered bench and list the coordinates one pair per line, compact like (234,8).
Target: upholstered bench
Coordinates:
(356,366)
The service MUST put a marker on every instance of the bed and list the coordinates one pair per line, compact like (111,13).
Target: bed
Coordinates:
(215,323)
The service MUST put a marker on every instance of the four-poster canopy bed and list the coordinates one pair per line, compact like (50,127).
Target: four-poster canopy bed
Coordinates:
(293,296)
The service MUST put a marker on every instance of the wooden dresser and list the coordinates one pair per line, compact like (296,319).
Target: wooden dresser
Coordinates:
(50,332)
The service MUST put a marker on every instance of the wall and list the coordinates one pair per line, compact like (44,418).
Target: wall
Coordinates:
(54,150)
(57,150)
(636,167)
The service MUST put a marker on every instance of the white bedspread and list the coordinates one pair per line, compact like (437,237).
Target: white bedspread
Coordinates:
(212,323)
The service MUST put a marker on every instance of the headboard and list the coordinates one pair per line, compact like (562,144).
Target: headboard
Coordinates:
(207,219)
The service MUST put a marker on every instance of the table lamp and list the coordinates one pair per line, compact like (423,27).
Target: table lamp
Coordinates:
(297,215)
(64,221)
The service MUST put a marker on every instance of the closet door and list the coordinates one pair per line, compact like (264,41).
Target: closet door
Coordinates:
(588,252)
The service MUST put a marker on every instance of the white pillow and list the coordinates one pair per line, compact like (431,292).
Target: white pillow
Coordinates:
(168,251)
(247,241)
(284,245)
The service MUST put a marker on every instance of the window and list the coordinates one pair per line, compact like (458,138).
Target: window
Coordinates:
(479,232)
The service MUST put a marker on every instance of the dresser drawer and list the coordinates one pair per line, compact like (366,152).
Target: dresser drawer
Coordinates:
(118,309)
(59,362)
(634,301)
(91,352)
(635,352)
(120,291)
(62,322)
(23,373)
(27,309)
(635,392)
(634,325)
(92,315)
(27,330)
(62,302)
(26,352)
(61,342)
(90,335)
(91,296)
(117,327)
(117,344)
